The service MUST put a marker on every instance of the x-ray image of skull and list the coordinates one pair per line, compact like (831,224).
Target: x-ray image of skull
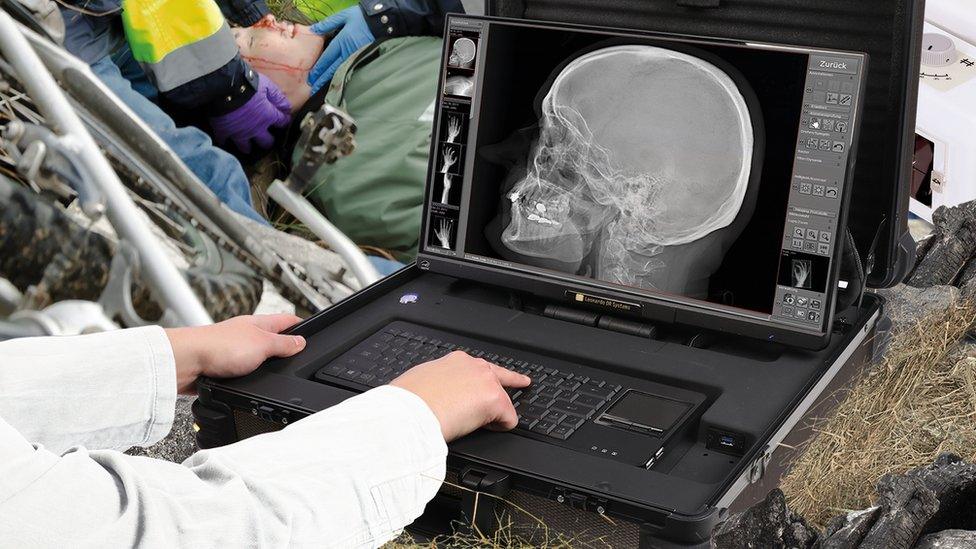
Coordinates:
(639,149)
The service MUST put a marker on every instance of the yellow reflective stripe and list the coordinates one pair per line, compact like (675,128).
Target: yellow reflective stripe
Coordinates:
(156,28)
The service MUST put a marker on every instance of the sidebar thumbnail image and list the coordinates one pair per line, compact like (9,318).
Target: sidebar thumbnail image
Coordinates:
(442,232)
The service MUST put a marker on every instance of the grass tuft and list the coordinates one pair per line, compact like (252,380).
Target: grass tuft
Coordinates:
(919,402)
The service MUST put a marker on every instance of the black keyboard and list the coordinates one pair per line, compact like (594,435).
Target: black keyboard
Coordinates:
(554,406)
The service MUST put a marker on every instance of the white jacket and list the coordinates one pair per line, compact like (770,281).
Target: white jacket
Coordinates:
(351,476)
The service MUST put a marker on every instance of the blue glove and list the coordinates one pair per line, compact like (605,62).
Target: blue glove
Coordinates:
(353,34)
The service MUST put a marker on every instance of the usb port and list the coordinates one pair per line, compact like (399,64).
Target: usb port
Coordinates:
(727,442)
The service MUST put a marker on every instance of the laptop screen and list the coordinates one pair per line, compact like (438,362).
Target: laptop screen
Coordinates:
(708,176)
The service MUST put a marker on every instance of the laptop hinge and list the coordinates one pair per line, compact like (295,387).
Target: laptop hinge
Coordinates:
(602,321)
(482,494)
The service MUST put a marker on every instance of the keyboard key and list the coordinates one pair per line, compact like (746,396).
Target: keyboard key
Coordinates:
(532,411)
(589,400)
(561,432)
(527,422)
(573,422)
(334,369)
(543,427)
(549,391)
(572,385)
(555,417)
(570,408)
(600,392)
(543,402)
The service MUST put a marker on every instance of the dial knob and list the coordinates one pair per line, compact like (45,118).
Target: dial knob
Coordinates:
(938,50)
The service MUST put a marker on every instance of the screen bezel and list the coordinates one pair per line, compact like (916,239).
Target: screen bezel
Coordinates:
(659,308)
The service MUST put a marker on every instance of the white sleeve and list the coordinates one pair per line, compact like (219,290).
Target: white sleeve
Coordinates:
(106,390)
(351,476)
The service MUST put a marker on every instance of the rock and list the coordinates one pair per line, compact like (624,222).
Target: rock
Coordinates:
(907,305)
(906,506)
(951,247)
(948,539)
(181,441)
(847,531)
(937,501)
(769,523)
(953,481)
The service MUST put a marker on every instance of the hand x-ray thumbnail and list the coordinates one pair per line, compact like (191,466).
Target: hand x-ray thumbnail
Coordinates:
(454,128)
(804,271)
(450,159)
(442,232)
(447,189)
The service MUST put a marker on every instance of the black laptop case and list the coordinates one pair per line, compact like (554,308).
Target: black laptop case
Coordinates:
(757,392)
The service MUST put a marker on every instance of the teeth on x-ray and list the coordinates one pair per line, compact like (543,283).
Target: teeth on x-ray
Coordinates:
(802,271)
(618,173)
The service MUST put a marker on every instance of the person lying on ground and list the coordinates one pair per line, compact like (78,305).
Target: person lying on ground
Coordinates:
(350,476)
(360,25)
(147,52)
(283,51)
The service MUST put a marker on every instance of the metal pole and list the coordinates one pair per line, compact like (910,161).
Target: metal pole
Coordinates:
(163,277)
(338,242)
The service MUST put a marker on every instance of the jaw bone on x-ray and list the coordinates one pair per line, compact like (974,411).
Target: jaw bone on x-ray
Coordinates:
(640,150)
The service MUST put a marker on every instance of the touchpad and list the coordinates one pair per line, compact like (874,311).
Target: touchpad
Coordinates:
(645,412)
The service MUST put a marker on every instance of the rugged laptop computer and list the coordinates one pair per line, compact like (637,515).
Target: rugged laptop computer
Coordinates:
(659,249)
(496,214)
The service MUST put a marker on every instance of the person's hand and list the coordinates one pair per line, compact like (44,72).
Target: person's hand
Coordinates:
(230,348)
(464,393)
(353,34)
(251,123)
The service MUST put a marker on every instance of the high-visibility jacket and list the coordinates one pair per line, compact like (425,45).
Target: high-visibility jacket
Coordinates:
(184,46)
(188,51)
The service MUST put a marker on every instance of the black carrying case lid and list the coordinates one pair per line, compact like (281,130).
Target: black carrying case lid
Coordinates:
(888,30)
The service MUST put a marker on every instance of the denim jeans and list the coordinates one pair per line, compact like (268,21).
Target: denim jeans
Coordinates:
(218,170)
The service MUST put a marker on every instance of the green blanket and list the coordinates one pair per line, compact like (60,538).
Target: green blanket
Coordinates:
(375,195)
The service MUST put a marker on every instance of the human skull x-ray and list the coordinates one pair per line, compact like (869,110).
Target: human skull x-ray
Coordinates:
(463,52)
(640,150)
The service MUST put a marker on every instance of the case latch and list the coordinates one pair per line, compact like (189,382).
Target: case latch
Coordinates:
(482,495)
(758,468)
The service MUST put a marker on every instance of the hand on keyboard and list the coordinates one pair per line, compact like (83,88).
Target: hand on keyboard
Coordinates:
(465,393)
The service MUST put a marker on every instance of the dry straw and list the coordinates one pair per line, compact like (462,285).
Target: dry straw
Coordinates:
(918,403)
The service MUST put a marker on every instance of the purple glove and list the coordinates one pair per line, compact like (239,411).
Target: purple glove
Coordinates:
(251,122)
